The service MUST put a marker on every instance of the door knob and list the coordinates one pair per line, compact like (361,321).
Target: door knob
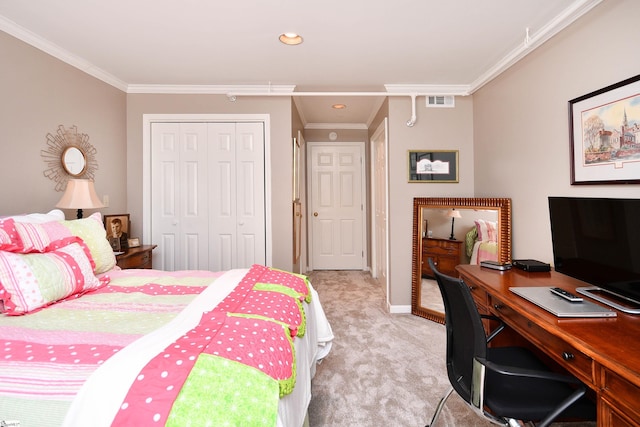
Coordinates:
(315,214)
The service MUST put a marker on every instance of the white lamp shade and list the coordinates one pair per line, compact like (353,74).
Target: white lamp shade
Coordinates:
(453,214)
(80,194)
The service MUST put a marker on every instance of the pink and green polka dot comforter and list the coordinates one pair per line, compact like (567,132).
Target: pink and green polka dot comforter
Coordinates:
(134,354)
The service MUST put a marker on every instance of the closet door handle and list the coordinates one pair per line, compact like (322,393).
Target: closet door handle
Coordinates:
(315,214)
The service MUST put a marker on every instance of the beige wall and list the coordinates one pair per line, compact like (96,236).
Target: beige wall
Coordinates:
(435,129)
(279,110)
(37,94)
(521,131)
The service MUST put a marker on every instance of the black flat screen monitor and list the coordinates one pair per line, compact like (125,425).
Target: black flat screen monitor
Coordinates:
(597,240)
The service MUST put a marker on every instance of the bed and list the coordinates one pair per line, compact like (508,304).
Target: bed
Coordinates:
(85,343)
(481,242)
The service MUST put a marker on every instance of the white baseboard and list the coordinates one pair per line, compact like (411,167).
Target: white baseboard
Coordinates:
(399,309)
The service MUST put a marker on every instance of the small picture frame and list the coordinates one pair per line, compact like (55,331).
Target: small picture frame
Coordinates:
(134,243)
(117,227)
(439,166)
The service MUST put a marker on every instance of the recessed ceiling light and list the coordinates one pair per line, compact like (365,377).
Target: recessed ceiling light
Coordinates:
(338,106)
(290,38)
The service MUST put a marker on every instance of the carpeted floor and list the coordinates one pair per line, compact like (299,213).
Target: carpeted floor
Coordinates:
(383,369)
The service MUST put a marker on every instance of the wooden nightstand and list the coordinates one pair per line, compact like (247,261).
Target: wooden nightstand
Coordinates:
(139,257)
(446,255)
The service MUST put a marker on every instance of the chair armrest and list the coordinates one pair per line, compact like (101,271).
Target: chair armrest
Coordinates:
(497,330)
(529,373)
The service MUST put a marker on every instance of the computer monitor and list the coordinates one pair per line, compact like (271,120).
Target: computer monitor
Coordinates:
(597,240)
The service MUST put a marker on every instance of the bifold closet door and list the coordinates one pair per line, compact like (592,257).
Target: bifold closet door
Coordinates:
(237,195)
(208,195)
(179,196)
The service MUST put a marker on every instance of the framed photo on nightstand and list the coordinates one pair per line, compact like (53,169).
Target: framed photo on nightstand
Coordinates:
(117,227)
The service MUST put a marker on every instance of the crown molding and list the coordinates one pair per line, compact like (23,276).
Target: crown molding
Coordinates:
(56,51)
(427,89)
(532,42)
(212,89)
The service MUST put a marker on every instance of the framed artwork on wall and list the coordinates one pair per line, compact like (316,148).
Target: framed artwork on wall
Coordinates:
(604,135)
(433,166)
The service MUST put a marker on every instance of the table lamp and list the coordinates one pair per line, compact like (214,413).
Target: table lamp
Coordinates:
(453,214)
(80,194)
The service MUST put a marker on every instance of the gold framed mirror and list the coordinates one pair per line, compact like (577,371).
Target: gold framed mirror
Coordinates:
(454,231)
(69,155)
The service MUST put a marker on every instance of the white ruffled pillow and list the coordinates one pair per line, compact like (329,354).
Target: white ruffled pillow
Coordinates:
(39,218)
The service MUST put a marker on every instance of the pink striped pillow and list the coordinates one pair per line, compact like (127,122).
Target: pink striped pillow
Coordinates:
(486,230)
(37,237)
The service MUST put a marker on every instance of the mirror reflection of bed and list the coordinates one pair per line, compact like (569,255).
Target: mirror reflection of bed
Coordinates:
(475,228)
(455,231)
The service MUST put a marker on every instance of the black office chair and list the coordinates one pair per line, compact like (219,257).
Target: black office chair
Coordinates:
(504,384)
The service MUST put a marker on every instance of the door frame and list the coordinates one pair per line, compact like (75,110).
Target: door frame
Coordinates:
(381,131)
(148,119)
(363,182)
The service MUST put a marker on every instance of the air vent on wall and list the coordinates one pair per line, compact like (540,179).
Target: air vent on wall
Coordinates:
(441,101)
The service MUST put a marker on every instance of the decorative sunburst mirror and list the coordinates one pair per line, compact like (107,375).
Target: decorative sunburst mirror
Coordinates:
(69,155)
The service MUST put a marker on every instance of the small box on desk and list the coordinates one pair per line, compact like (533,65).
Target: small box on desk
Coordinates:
(531,265)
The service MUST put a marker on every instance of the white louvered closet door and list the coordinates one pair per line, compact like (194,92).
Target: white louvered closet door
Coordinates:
(208,203)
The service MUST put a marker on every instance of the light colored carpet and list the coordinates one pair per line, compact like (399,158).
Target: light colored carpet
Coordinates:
(384,369)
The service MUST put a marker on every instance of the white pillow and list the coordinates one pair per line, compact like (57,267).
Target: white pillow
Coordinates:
(39,218)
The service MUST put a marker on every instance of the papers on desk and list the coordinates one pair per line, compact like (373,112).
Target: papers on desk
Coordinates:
(544,298)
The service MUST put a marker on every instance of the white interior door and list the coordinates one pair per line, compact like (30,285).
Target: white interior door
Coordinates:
(180,216)
(237,201)
(337,205)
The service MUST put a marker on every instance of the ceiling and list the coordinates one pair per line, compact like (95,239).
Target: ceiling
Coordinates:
(365,46)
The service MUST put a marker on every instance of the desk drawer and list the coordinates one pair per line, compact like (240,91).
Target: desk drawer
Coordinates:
(480,296)
(622,392)
(562,352)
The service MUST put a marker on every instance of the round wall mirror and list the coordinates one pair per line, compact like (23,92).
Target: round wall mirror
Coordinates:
(73,161)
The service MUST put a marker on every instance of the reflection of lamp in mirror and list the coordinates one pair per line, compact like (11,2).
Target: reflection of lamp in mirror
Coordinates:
(80,194)
(453,214)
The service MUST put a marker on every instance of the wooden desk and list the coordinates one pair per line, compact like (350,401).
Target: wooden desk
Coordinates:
(603,353)
(139,257)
